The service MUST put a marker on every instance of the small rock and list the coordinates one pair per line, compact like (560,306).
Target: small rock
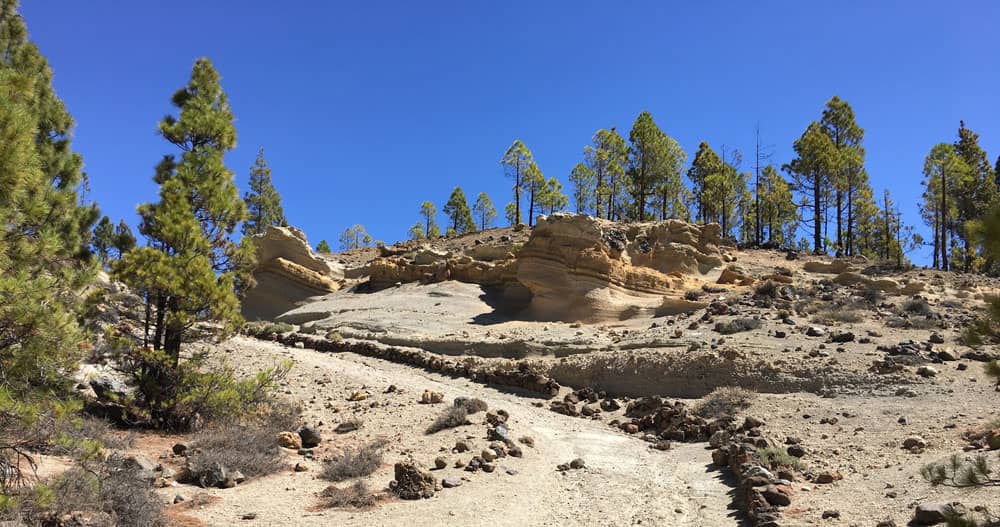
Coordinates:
(299,467)
(926,371)
(930,513)
(310,437)
(429,397)
(180,448)
(577,463)
(912,442)
(440,463)
(452,482)
(831,514)
(828,476)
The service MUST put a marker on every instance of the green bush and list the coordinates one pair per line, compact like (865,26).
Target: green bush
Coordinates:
(774,457)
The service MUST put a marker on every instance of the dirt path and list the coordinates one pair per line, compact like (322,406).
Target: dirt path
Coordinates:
(625,482)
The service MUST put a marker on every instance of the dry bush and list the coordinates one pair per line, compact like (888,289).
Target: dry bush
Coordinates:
(472,406)
(766,289)
(832,315)
(917,306)
(356,496)
(249,447)
(266,328)
(738,325)
(354,462)
(452,417)
(111,486)
(692,295)
(873,295)
(726,401)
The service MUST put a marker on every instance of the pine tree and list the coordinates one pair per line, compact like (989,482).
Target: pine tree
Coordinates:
(811,175)
(516,162)
(457,210)
(512,214)
(191,270)
(263,201)
(323,247)
(606,157)
(779,215)
(103,238)
(429,211)
(417,231)
(484,211)
(124,239)
(847,170)
(355,237)
(723,190)
(533,183)
(674,196)
(655,162)
(944,172)
(976,193)
(584,188)
(706,163)
(552,198)
(44,231)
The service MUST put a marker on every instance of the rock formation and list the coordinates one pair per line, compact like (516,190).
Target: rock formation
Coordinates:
(580,268)
(287,273)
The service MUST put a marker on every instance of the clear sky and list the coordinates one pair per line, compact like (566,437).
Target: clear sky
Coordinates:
(365,109)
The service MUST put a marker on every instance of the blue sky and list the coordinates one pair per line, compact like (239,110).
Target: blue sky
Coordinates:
(365,109)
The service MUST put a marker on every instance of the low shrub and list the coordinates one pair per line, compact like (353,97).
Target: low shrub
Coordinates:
(354,462)
(451,418)
(266,328)
(737,325)
(726,401)
(355,496)
(917,306)
(472,406)
(249,446)
(693,295)
(774,457)
(766,289)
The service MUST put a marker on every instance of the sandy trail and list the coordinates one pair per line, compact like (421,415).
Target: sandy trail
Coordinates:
(625,482)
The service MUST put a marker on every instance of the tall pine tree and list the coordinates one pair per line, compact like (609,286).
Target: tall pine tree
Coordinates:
(457,210)
(263,201)
(191,269)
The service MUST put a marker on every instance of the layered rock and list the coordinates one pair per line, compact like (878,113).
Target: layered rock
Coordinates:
(580,268)
(287,273)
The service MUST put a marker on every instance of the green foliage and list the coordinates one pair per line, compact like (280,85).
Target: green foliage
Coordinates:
(552,198)
(533,183)
(606,158)
(176,395)
(584,188)
(354,238)
(654,166)
(124,239)
(429,212)
(516,162)
(512,214)
(44,231)
(416,232)
(775,457)
(323,248)
(191,270)
(103,238)
(263,201)
(812,173)
(484,211)
(457,210)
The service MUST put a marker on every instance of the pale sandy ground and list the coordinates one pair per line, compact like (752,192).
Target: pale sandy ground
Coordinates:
(626,482)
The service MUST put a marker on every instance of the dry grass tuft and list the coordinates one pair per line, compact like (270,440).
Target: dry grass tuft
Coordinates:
(355,496)
(451,418)
(724,402)
(354,462)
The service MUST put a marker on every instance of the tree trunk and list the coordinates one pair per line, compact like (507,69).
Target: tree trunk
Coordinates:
(817,224)
(944,220)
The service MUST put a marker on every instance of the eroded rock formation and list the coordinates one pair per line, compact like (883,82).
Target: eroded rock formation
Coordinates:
(580,268)
(287,273)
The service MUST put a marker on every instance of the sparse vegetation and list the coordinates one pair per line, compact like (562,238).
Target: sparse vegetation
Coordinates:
(726,401)
(249,446)
(266,328)
(471,405)
(693,295)
(766,289)
(354,462)
(774,457)
(738,325)
(355,496)
(832,315)
(451,418)
(917,306)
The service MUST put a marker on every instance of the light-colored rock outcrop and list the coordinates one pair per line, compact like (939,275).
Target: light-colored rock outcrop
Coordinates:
(886,285)
(588,269)
(287,273)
